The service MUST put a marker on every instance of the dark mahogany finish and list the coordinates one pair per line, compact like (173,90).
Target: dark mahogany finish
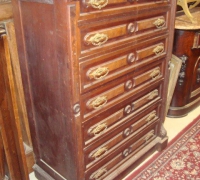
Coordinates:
(187,92)
(95,80)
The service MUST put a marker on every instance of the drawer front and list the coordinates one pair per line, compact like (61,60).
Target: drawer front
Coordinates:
(123,153)
(97,127)
(129,132)
(95,5)
(123,88)
(96,72)
(115,34)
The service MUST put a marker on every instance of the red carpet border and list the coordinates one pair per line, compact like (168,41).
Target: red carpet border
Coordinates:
(179,161)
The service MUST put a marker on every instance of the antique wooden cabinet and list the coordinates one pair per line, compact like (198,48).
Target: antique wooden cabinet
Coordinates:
(186,46)
(95,76)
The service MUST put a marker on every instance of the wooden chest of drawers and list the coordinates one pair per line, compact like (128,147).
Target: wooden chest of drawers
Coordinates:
(95,76)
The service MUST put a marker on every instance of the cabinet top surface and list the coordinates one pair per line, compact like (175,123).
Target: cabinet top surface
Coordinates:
(183,22)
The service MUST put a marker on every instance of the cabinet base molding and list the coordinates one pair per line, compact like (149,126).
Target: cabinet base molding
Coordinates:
(158,144)
(184,110)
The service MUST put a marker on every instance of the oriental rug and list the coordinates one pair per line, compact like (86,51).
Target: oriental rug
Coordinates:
(179,161)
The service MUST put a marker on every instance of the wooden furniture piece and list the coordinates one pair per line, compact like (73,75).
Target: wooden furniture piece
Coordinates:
(95,75)
(187,47)
(20,95)
(12,156)
(6,26)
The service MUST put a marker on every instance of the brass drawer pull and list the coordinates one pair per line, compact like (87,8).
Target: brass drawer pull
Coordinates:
(99,73)
(153,94)
(151,116)
(159,23)
(99,102)
(98,129)
(98,4)
(97,40)
(155,74)
(149,135)
(98,174)
(98,153)
(158,49)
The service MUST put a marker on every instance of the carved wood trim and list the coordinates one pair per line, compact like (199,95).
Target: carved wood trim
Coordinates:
(182,73)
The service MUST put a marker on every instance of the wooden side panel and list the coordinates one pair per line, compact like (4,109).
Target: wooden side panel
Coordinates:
(46,72)
(9,119)
(20,94)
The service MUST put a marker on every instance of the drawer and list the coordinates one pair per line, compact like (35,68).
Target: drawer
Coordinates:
(122,31)
(94,102)
(95,5)
(95,72)
(129,132)
(101,126)
(101,170)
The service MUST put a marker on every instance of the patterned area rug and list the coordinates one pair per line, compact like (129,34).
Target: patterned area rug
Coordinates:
(179,161)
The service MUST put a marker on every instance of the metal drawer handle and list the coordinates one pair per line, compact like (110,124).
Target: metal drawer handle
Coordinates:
(98,153)
(151,116)
(97,40)
(153,94)
(99,73)
(159,23)
(158,50)
(98,4)
(99,102)
(155,74)
(149,135)
(98,129)
(98,173)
